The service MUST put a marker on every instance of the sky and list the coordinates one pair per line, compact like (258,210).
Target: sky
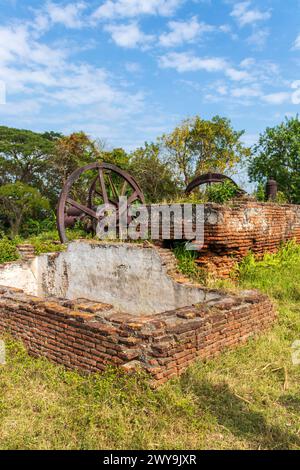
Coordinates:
(127,71)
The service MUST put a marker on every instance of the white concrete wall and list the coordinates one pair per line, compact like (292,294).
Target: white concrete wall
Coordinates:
(20,275)
(131,278)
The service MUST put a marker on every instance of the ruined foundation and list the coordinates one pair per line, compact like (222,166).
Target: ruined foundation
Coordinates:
(99,304)
(234,230)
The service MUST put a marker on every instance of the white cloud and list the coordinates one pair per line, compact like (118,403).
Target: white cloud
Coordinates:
(246,92)
(17,44)
(225,28)
(184,31)
(133,67)
(259,37)
(48,79)
(296,94)
(297,42)
(69,15)
(112,9)
(129,35)
(277,98)
(237,75)
(245,14)
(186,62)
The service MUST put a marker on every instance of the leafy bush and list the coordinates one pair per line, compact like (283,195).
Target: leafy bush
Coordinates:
(35,226)
(277,274)
(45,246)
(186,263)
(8,250)
(260,195)
(221,192)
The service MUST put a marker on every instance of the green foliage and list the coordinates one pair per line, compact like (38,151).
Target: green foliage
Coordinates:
(277,156)
(260,193)
(37,226)
(45,246)
(18,200)
(117,157)
(26,156)
(281,198)
(198,146)
(186,263)
(154,177)
(72,152)
(221,192)
(261,196)
(278,274)
(48,241)
(8,250)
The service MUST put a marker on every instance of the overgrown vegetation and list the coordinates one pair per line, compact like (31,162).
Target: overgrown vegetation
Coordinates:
(186,263)
(8,250)
(34,166)
(244,399)
(220,193)
(277,156)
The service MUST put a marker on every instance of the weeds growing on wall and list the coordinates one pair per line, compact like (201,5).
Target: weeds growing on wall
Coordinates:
(186,263)
(219,193)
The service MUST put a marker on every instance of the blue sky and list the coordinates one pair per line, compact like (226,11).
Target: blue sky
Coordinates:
(126,71)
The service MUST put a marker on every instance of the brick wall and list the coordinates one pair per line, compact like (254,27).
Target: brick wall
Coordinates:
(73,333)
(231,231)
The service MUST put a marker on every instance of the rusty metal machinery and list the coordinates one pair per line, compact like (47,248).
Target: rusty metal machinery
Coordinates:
(105,183)
(210,178)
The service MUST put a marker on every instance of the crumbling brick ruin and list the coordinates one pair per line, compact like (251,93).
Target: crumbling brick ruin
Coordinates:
(99,304)
(232,231)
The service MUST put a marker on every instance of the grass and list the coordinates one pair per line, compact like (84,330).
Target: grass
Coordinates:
(245,399)
(186,263)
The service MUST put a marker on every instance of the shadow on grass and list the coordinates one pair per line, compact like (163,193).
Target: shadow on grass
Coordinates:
(291,402)
(237,417)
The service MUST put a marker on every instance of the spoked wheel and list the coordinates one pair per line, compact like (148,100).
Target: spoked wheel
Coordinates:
(106,184)
(208,179)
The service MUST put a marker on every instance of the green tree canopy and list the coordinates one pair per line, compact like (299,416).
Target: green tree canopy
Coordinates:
(198,146)
(277,155)
(19,200)
(24,155)
(155,177)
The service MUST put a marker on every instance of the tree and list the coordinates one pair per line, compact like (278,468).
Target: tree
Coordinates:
(72,152)
(26,156)
(19,200)
(117,156)
(155,177)
(277,156)
(198,146)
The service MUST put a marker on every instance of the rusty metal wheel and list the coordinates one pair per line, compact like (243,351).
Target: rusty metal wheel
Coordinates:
(209,178)
(106,187)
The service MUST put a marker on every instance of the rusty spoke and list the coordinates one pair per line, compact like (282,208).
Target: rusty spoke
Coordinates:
(134,196)
(113,187)
(103,187)
(123,190)
(84,209)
